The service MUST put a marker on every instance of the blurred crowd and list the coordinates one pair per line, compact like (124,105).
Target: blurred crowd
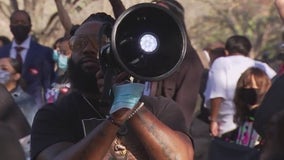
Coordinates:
(66,102)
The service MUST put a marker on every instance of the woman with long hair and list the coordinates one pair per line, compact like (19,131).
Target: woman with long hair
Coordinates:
(251,88)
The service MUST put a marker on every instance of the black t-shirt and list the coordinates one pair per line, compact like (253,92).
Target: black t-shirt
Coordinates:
(68,119)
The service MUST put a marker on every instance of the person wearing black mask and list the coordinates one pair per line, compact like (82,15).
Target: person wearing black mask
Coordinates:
(36,59)
(251,88)
(20,31)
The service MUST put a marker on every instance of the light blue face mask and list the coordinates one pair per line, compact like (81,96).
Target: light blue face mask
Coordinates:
(55,55)
(62,62)
(4,76)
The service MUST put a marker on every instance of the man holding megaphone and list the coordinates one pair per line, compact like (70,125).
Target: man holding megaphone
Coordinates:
(133,126)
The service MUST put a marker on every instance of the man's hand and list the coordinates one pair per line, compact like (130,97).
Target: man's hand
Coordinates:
(215,107)
(116,79)
(214,128)
(126,95)
(122,115)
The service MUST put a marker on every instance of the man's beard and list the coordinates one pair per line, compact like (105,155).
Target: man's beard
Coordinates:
(81,80)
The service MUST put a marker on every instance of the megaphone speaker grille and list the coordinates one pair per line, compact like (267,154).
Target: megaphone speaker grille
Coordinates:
(149,41)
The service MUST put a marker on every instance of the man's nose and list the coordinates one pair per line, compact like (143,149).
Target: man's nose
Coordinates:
(90,48)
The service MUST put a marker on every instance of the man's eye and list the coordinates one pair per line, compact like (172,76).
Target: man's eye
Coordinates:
(79,44)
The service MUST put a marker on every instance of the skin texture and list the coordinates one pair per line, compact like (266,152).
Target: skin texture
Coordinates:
(215,107)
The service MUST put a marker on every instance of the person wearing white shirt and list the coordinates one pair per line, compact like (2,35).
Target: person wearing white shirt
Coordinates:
(223,76)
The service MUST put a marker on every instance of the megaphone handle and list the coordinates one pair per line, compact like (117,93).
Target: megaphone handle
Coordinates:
(108,76)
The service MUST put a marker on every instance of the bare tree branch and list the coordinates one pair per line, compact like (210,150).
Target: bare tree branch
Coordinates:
(5,9)
(14,4)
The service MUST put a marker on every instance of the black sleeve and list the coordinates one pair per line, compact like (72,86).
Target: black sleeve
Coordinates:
(167,111)
(10,147)
(49,127)
(271,104)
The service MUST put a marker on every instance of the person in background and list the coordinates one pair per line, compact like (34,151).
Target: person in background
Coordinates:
(222,80)
(12,117)
(4,41)
(55,54)
(280,58)
(78,126)
(36,59)
(61,85)
(274,142)
(250,91)
(177,85)
(10,147)
(272,102)
(199,129)
(213,51)
(10,77)
(64,53)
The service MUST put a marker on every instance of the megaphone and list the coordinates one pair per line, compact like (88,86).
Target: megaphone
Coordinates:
(148,41)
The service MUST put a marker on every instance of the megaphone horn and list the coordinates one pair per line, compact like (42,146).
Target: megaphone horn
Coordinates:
(148,41)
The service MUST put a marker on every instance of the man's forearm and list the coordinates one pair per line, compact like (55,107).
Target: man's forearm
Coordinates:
(94,146)
(159,140)
(215,107)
